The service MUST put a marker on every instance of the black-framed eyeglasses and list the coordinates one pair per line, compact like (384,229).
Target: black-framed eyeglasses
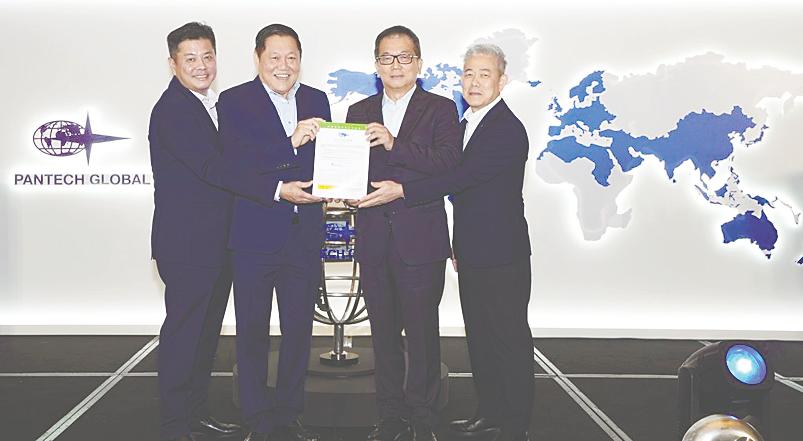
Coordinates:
(387,59)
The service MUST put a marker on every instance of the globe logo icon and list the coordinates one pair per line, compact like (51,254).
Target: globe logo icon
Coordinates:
(66,138)
(58,138)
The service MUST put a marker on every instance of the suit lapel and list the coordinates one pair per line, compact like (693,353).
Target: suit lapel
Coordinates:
(375,109)
(264,104)
(492,114)
(192,101)
(303,111)
(415,109)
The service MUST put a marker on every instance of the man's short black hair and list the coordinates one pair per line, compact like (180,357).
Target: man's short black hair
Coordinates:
(397,30)
(275,29)
(190,31)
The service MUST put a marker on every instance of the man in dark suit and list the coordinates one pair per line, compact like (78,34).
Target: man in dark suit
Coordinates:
(275,245)
(402,250)
(491,248)
(190,228)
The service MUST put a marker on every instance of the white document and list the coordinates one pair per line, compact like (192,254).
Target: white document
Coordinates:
(341,161)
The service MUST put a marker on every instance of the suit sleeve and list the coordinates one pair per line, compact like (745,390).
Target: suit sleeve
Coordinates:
(205,158)
(486,163)
(352,114)
(437,153)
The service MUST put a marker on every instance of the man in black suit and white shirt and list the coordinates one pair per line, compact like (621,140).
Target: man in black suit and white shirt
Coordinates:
(491,247)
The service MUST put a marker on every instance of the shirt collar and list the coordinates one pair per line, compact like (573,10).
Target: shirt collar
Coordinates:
(403,101)
(290,95)
(209,100)
(476,116)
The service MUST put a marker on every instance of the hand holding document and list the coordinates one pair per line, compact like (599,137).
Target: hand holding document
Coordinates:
(341,161)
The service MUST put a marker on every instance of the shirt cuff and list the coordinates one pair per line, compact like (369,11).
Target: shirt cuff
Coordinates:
(278,190)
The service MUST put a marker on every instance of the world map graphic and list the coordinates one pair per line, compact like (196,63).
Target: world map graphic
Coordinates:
(702,129)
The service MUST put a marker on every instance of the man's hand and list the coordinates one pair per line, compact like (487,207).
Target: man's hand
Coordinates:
(378,134)
(305,131)
(294,192)
(386,191)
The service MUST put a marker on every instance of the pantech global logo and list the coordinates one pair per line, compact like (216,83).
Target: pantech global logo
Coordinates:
(63,138)
(67,138)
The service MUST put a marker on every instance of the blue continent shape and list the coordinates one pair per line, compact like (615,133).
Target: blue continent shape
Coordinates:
(800,261)
(586,118)
(554,106)
(702,193)
(620,143)
(431,78)
(348,81)
(759,231)
(568,149)
(343,81)
(580,91)
(699,137)
(592,117)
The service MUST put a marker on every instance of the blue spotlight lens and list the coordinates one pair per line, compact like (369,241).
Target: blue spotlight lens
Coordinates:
(746,364)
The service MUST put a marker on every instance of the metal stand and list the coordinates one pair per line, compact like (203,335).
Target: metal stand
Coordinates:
(339,248)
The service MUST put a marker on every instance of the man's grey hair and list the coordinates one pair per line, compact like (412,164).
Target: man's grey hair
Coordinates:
(488,49)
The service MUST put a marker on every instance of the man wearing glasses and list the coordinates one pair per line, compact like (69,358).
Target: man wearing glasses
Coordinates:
(495,270)
(402,250)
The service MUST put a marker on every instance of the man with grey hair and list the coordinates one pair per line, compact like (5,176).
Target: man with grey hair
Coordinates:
(494,269)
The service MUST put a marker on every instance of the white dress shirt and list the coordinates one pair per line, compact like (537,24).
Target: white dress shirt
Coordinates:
(288,114)
(210,102)
(473,119)
(393,111)
(286,107)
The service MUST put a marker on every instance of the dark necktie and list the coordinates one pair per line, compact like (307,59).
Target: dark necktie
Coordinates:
(463,139)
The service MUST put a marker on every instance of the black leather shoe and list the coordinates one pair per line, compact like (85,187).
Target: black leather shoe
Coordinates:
(476,426)
(294,431)
(423,432)
(391,429)
(212,427)
(256,436)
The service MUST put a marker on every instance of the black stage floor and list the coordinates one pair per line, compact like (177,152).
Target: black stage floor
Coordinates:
(93,388)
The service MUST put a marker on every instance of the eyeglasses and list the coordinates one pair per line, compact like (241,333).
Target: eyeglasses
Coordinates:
(388,59)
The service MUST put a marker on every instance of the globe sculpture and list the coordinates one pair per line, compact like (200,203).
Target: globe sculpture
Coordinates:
(340,299)
(722,428)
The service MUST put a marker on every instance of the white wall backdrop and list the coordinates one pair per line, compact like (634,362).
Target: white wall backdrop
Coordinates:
(616,252)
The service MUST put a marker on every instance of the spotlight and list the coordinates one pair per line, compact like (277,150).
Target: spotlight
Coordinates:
(729,377)
(746,364)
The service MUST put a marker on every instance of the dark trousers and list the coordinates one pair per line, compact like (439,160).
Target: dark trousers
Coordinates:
(405,297)
(295,274)
(195,301)
(500,345)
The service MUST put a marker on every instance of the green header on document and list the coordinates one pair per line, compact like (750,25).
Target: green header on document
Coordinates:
(343,126)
